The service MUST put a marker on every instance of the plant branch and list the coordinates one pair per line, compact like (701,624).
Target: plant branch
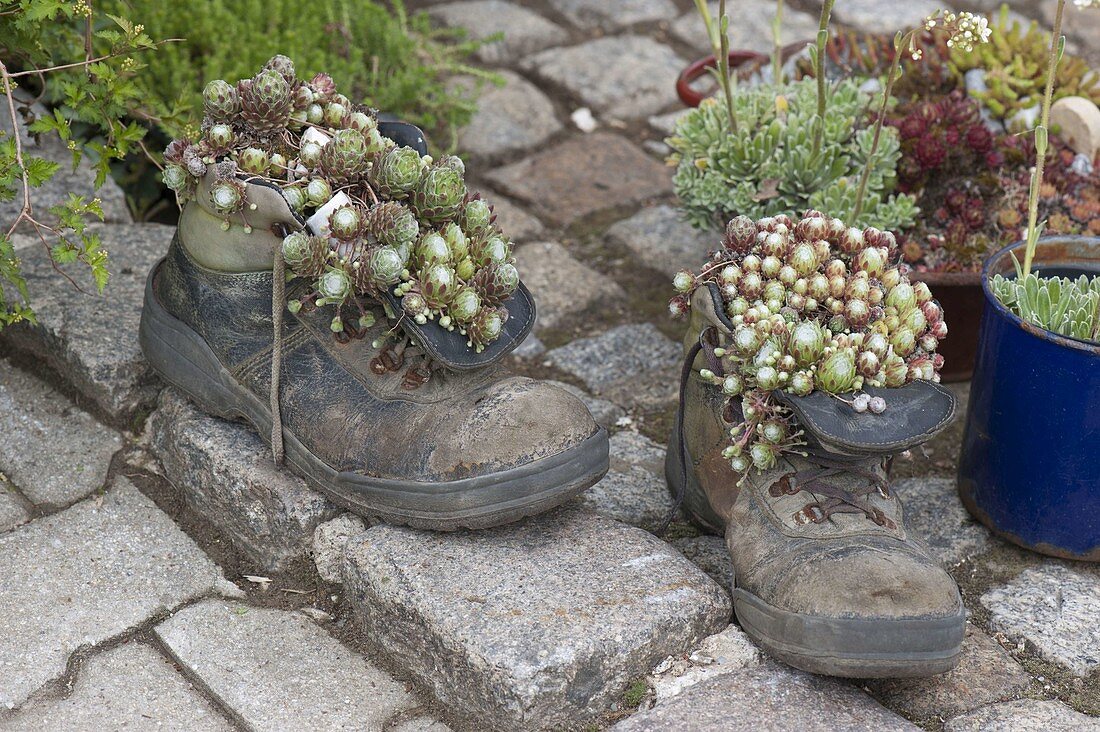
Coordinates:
(892,75)
(777,61)
(1056,44)
(87,62)
(25,210)
(819,70)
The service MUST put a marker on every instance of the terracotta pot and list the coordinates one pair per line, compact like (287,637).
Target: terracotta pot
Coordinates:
(960,296)
(691,98)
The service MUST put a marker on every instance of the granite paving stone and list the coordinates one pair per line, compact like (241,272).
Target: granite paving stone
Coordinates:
(985,674)
(710,554)
(750,26)
(535,625)
(879,17)
(1080,25)
(934,512)
(588,14)
(631,364)
(624,77)
(604,412)
(66,181)
(279,671)
(582,176)
(86,574)
(524,31)
(662,240)
(225,473)
(12,509)
(92,340)
(562,286)
(768,697)
(53,451)
(423,723)
(129,687)
(517,224)
(633,491)
(1024,715)
(530,348)
(329,540)
(718,655)
(509,119)
(666,123)
(1054,608)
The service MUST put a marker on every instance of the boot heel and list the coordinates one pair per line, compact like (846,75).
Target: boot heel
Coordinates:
(180,357)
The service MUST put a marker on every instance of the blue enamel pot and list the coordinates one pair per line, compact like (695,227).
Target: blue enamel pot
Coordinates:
(1030,463)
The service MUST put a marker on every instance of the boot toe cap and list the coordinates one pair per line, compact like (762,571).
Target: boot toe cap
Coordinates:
(869,582)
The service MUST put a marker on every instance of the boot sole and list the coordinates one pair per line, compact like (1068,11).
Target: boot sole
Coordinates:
(182,358)
(859,648)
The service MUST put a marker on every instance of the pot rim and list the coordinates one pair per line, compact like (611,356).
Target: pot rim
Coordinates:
(958,279)
(737,57)
(1035,330)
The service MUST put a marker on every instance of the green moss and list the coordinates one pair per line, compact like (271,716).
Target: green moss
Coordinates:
(634,694)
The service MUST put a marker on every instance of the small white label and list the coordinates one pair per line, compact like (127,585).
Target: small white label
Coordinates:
(318,222)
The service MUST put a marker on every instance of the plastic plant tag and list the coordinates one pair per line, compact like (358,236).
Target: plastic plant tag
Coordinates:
(318,222)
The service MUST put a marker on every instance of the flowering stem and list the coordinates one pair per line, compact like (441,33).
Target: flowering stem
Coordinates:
(719,43)
(819,71)
(777,61)
(1056,45)
(892,75)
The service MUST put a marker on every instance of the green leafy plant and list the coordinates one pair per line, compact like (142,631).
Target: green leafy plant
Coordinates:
(385,58)
(1014,62)
(771,166)
(87,65)
(1062,305)
(1069,307)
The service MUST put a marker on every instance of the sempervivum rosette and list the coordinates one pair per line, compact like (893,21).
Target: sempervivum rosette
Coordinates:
(381,218)
(814,305)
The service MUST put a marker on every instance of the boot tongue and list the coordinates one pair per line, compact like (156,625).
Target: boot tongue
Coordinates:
(914,414)
(449,346)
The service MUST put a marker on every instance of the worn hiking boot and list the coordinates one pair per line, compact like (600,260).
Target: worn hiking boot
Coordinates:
(827,577)
(418,431)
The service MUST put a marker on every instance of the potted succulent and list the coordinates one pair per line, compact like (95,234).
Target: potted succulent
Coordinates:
(1028,468)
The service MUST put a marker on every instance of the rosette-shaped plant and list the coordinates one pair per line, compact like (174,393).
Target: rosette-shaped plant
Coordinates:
(344,159)
(397,172)
(439,194)
(266,102)
(814,305)
(394,222)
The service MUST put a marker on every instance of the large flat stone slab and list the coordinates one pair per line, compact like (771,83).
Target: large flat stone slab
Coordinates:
(86,574)
(710,554)
(92,340)
(329,540)
(613,16)
(562,286)
(13,510)
(524,31)
(633,491)
(623,77)
(768,696)
(66,181)
(662,240)
(634,365)
(225,474)
(509,119)
(530,626)
(129,687)
(879,17)
(985,674)
(750,26)
(517,224)
(1024,715)
(1054,608)
(53,451)
(718,655)
(934,512)
(279,671)
(582,176)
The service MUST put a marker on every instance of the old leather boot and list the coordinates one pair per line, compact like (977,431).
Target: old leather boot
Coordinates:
(827,577)
(384,430)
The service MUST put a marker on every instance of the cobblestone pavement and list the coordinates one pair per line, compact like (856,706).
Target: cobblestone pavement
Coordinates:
(159,571)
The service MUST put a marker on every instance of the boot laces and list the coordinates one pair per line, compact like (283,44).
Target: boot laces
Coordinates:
(834,498)
(392,357)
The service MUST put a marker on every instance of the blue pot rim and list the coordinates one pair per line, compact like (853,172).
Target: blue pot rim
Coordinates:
(1031,328)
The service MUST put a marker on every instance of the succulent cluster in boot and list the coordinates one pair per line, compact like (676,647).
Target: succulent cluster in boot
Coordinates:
(814,305)
(379,217)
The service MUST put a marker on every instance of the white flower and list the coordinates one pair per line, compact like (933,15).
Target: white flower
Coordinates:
(1087,3)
